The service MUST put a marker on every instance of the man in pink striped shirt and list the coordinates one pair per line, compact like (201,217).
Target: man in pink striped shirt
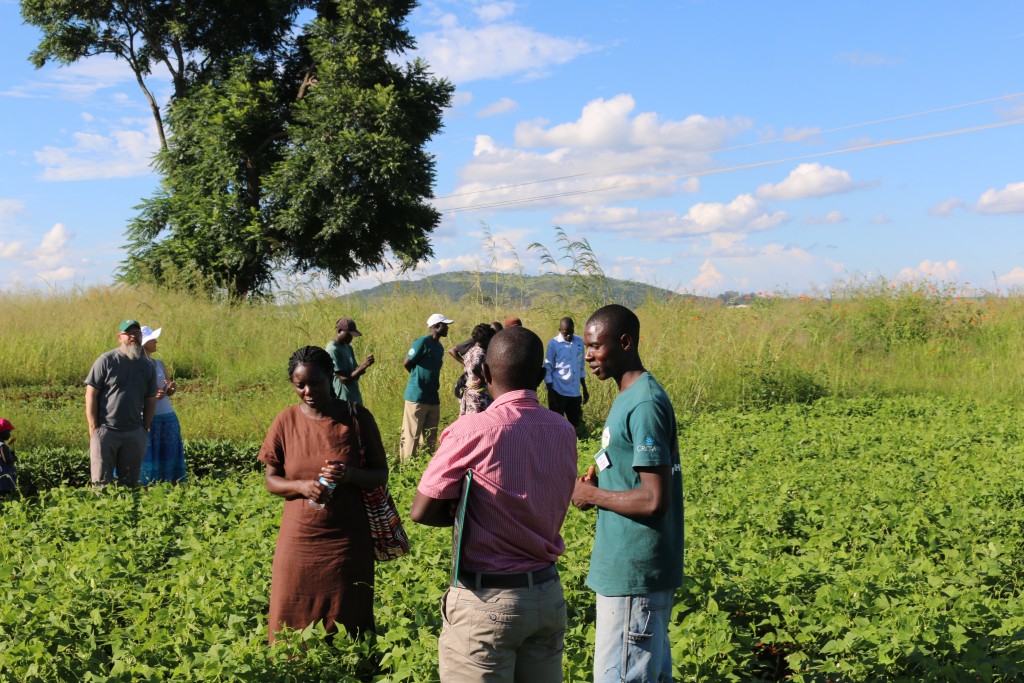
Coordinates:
(505,618)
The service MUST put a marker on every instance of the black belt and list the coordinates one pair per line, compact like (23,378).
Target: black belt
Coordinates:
(475,580)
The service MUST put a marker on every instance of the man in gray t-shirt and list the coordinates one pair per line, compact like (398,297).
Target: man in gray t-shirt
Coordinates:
(120,400)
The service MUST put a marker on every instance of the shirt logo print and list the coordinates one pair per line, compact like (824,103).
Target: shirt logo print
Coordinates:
(648,445)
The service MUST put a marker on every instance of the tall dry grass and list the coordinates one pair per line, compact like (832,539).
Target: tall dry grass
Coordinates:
(230,359)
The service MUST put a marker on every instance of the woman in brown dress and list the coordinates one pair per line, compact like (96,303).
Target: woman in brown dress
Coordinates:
(323,565)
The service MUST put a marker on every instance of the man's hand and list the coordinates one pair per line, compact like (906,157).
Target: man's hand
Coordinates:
(369,361)
(583,485)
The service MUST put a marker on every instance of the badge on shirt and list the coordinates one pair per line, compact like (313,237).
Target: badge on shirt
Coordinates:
(603,461)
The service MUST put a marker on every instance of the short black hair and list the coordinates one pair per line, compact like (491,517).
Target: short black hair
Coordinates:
(617,320)
(311,356)
(515,356)
(482,334)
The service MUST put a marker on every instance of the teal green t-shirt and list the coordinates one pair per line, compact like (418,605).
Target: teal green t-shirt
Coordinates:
(427,356)
(641,555)
(344,362)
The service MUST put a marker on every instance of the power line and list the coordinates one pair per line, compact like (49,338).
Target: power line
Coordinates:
(716,171)
(785,138)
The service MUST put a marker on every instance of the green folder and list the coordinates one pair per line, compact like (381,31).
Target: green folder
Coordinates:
(458,527)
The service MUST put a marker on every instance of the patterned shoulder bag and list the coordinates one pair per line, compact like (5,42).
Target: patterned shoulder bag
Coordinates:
(389,539)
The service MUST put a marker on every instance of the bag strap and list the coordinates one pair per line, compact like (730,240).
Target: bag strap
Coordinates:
(353,413)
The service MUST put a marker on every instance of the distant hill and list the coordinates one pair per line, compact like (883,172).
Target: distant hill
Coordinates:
(513,290)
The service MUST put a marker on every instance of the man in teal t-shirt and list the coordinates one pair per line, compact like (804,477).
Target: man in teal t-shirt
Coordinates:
(637,562)
(422,400)
(346,371)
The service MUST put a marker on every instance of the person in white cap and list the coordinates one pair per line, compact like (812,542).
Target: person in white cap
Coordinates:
(422,400)
(165,451)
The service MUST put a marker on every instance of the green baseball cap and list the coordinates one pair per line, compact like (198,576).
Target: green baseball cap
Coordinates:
(128,324)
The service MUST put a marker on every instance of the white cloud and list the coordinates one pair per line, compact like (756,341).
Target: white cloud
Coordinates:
(561,177)
(930,270)
(605,154)
(57,275)
(1010,199)
(607,124)
(945,208)
(709,279)
(502,106)
(729,262)
(1014,108)
(494,11)
(10,250)
(1015,278)
(809,180)
(833,217)
(53,247)
(495,50)
(462,98)
(859,59)
(880,219)
(76,81)
(743,214)
(810,136)
(9,210)
(119,152)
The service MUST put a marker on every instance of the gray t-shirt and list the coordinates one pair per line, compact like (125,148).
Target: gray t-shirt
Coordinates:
(123,385)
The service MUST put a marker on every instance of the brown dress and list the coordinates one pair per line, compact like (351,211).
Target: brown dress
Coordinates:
(323,564)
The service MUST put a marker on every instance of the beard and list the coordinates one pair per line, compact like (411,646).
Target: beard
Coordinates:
(133,351)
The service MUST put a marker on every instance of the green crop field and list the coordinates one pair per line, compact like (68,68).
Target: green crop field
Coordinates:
(854,504)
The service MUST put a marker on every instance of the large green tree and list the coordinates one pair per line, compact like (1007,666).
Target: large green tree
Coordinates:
(285,150)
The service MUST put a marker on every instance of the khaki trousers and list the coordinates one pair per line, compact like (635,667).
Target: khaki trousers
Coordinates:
(502,635)
(419,429)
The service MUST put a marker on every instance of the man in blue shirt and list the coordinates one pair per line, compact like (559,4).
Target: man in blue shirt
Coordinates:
(564,374)
(637,561)
(422,400)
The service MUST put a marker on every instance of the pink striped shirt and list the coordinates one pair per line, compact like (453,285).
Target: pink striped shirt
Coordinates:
(523,458)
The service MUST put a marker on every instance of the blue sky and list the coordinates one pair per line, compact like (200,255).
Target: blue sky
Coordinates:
(701,146)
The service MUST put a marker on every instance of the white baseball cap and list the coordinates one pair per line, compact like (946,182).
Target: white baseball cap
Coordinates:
(149,334)
(438,318)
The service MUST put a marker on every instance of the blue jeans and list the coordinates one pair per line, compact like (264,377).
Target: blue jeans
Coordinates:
(632,638)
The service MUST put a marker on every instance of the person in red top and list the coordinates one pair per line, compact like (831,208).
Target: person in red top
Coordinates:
(504,620)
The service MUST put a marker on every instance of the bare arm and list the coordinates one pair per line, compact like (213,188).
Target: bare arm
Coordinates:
(408,364)
(148,411)
(650,499)
(454,353)
(289,489)
(357,373)
(432,511)
(92,407)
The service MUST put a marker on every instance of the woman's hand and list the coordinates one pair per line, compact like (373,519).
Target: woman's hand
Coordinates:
(313,490)
(336,471)
(167,389)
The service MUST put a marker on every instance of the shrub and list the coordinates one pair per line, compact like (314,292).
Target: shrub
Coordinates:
(44,467)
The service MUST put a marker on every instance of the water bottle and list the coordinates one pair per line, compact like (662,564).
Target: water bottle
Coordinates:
(330,490)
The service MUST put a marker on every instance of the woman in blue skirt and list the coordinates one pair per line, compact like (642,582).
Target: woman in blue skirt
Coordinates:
(8,481)
(165,453)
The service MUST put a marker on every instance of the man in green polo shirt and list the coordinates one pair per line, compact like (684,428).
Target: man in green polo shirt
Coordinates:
(422,400)
(346,371)
(637,562)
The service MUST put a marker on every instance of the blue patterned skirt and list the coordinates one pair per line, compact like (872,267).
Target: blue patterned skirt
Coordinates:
(8,477)
(165,452)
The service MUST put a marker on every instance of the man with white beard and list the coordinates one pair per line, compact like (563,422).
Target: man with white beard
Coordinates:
(120,400)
